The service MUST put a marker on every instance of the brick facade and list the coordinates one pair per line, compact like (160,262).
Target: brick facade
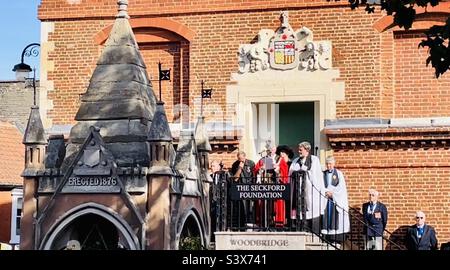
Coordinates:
(384,73)
(61,9)
(409,180)
(409,166)
(417,92)
(212,56)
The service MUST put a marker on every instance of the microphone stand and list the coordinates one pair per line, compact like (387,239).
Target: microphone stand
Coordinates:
(264,220)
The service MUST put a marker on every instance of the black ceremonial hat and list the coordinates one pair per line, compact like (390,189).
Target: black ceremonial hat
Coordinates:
(286,149)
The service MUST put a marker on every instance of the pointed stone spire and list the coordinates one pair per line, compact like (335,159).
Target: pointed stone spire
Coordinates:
(35,144)
(160,130)
(120,99)
(34,133)
(201,135)
(119,87)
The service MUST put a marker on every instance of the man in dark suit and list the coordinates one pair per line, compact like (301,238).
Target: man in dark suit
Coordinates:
(375,216)
(445,246)
(421,236)
(242,172)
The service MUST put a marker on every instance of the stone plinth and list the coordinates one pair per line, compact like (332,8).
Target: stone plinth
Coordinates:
(261,240)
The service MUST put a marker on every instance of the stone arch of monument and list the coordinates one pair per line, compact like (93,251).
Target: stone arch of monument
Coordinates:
(60,227)
(189,225)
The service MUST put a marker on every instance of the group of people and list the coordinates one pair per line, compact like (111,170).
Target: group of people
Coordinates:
(419,236)
(323,206)
(318,199)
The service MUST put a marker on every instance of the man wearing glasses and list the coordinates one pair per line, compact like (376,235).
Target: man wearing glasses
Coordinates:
(375,218)
(421,236)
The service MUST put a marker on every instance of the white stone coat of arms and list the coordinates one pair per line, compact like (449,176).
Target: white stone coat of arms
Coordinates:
(285,49)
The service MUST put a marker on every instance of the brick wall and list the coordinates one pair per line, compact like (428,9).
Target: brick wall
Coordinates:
(227,157)
(212,56)
(387,79)
(56,9)
(408,179)
(417,91)
(15,102)
(169,54)
(409,166)
(75,56)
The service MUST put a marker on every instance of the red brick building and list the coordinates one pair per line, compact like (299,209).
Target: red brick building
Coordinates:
(364,94)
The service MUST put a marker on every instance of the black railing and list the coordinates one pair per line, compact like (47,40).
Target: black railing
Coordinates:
(263,212)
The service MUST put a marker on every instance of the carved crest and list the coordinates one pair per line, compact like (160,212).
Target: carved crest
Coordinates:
(91,157)
(93,160)
(285,49)
(284,46)
(92,171)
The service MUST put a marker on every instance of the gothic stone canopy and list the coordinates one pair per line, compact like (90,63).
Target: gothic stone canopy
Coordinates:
(285,49)
(119,165)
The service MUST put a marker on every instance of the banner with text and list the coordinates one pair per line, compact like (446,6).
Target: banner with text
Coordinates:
(260,192)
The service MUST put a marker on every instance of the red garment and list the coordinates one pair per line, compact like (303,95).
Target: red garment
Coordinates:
(258,166)
(280,206)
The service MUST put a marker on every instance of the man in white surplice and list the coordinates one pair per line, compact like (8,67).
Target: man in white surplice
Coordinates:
(306,172)
(335,219)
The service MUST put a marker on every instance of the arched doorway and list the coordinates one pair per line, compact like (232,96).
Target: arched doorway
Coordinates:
(90,232)
(191,236)
(91,227)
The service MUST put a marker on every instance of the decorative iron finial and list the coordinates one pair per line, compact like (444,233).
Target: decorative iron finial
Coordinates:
(123,9)
(206,93)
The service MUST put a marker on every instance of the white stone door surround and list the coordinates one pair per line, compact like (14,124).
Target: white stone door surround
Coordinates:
(276,86)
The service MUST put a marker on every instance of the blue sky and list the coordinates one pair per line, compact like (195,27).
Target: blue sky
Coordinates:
(19,26)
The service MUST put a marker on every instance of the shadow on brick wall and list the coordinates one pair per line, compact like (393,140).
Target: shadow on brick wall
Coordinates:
(398,237)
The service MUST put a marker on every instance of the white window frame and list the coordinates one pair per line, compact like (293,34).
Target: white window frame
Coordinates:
(16,194)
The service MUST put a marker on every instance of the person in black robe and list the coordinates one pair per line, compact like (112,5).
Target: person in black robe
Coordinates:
(242,171)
